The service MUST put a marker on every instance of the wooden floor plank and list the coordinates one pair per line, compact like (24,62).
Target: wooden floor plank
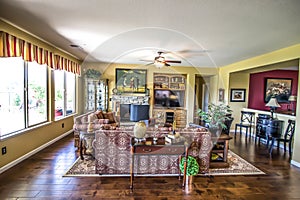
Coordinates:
(41,177)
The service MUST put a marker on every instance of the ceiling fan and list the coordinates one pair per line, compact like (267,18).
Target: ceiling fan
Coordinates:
(160,61)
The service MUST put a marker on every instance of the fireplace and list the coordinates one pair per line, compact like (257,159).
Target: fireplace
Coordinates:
(124,112)
(139,112)
(121,105)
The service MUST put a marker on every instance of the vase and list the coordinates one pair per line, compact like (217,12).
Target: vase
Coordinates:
(139,130)
(215,133)
(189,184)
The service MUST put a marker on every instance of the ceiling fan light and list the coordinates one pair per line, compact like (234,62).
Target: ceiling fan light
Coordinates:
(159,64)
(161,59)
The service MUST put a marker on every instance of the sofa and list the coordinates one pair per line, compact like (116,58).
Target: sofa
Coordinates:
(98,119)
(113,157)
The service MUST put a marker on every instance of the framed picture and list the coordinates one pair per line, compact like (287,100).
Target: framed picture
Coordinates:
(221,94)
(237,95)
(279,88)
(131,80)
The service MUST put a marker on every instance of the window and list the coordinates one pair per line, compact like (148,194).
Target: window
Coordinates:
(37,93)
(23,95)
(64,93)
(70,93)
(11,95)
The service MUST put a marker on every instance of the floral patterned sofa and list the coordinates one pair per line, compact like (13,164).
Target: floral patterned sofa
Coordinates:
(112,152)
(99,119)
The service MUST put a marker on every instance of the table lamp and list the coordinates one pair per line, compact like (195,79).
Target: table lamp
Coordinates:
(273,104)
(292,99)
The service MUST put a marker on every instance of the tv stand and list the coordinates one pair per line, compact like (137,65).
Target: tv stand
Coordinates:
(179,115)
(176,83)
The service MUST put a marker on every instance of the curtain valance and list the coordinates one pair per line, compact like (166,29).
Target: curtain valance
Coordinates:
(11,46)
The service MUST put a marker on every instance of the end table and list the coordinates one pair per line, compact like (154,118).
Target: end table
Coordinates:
(86,139)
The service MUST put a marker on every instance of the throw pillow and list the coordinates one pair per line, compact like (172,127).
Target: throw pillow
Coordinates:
(103,121)
(84,119)
(99,114)
(92,117)
(110,116)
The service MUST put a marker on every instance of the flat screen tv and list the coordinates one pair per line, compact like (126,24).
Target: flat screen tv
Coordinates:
(166,98)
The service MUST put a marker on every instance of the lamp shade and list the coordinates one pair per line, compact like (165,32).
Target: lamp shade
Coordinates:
(273,103)
(293,98)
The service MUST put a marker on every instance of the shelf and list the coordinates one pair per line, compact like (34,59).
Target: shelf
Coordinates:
(176,83)
(220,149)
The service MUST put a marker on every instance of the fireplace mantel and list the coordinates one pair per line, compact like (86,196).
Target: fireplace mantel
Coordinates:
(130,99)
(117,100)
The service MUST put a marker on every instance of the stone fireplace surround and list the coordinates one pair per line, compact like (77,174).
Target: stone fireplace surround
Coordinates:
(121,105)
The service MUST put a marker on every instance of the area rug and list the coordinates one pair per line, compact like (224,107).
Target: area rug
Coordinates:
(237,166)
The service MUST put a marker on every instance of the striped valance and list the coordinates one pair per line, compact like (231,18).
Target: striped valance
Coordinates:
(11,46)
(62,63)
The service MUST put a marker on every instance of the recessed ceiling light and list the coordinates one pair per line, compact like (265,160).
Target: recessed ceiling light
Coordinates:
(75,46)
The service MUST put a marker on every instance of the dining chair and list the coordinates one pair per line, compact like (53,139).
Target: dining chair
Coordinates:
(287,137)
(247,122)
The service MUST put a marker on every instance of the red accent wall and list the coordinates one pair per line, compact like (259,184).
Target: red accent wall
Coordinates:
(257,87)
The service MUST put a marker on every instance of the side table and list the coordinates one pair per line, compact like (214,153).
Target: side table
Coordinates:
(221,147)
(149,147)
(86,139)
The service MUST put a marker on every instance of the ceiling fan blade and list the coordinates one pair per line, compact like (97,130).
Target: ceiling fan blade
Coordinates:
(173,61)
(166,64)
(149,64)
(193,51)
(146,60)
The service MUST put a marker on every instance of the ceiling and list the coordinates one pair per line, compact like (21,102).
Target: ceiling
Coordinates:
(201,33)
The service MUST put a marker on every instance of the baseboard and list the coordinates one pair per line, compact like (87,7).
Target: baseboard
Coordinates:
(297,164)
(22,158)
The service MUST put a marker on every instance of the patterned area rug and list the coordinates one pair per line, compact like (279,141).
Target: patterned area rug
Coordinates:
(237,166)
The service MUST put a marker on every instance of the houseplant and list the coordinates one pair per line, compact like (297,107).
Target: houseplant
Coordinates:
(192,168)
(215,117)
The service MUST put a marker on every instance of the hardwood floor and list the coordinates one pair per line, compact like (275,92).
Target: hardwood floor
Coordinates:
(40,177)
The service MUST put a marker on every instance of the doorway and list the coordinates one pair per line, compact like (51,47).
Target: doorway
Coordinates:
(201,99)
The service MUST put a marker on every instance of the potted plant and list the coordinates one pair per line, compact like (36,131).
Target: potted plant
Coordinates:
(215,117)
(92,74)
(192,168)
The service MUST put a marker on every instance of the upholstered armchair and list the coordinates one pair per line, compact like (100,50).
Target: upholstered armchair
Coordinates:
(97,119)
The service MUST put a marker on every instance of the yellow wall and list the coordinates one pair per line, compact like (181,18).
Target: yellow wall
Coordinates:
(29,140)
(238,80)
(18,146)
(285,54)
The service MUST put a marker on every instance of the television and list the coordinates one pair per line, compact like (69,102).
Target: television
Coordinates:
(166,98)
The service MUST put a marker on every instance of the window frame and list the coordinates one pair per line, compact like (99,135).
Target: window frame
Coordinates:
(65,99)
(25,98)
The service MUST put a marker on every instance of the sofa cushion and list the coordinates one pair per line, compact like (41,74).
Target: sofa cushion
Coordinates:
(103,121)
(92,117)
(84,119)
(110,116)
